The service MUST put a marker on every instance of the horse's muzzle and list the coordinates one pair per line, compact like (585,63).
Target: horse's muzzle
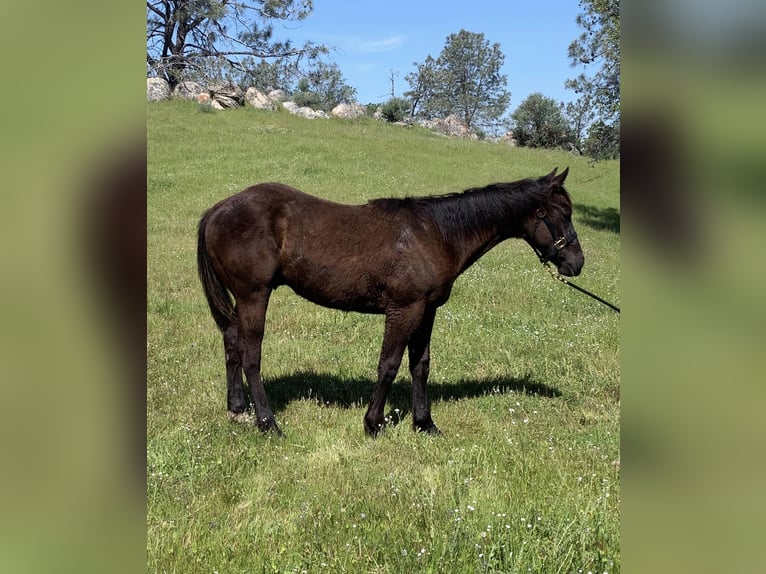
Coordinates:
(571,268)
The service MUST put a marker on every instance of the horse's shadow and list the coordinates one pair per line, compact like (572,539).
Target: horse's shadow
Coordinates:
(332,390)
(599,218)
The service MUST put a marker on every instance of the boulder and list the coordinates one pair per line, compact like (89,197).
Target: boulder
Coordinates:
(228,95)
(205,100)
(226,101)
(258,100)
(157,89)
(508,139)
(451,126)
(348,111)
(305,112)
(188,90)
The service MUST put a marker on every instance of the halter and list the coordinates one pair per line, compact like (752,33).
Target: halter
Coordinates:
(558,244)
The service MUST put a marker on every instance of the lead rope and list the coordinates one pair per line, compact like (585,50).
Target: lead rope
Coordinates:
(560,277)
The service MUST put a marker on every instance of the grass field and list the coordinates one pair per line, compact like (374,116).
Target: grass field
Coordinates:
(525,375)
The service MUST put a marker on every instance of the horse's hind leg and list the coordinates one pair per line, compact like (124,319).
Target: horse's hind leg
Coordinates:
(251,315)
(236,399)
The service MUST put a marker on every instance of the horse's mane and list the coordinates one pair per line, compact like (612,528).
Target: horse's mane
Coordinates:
(471,209)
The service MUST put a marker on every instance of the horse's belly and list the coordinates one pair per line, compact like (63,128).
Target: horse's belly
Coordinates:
(335,288)
(344,299)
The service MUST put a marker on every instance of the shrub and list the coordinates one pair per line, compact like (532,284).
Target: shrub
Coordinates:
(395,109)
(307,100)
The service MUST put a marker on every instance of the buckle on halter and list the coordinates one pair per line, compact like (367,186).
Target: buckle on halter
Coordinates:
(560,243)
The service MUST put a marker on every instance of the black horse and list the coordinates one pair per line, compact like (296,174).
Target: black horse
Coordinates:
(397,257)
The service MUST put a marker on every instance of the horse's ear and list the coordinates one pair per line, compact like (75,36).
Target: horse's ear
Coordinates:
(559,180)
(551,175)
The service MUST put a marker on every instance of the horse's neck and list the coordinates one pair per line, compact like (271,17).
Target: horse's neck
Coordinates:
(478,229)
(466,253)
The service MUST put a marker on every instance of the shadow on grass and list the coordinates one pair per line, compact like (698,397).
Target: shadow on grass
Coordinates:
(597,218)
(332,390)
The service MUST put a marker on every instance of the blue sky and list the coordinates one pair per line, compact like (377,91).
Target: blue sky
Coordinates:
(374,38)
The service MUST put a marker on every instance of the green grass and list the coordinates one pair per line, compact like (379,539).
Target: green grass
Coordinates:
(524,375)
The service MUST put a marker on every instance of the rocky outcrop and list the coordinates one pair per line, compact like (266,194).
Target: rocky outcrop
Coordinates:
(219,96)
(225,96)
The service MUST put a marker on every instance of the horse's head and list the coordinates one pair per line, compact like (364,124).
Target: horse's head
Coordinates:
(549,229)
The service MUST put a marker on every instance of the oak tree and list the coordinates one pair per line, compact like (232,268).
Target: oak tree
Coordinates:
(464,80)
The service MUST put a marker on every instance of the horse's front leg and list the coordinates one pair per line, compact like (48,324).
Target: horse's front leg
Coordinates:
(420,360)
(400,324)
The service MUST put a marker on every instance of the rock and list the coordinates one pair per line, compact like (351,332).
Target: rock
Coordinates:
(205,100)
(226,101)
(305,112)
(260,101)
(508,139)
(157,89)
(348,111)
(188,90)
(228,95)
(450,126)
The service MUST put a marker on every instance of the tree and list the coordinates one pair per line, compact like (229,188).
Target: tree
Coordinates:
(598,47)
(323,88)
(603,141)
(424,83)
(539,122)
(193,35)
(580,115)
(266,76)
(464,80)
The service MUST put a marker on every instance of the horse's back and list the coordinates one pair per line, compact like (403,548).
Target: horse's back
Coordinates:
(351,257)
(253,210)
(262,198)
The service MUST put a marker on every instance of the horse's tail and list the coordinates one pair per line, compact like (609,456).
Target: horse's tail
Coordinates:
(221,306)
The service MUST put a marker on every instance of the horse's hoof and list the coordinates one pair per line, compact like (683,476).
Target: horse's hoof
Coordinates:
(270,426)
(429,428)
(372,430)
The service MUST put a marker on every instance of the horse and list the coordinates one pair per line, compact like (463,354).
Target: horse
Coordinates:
(397,256)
